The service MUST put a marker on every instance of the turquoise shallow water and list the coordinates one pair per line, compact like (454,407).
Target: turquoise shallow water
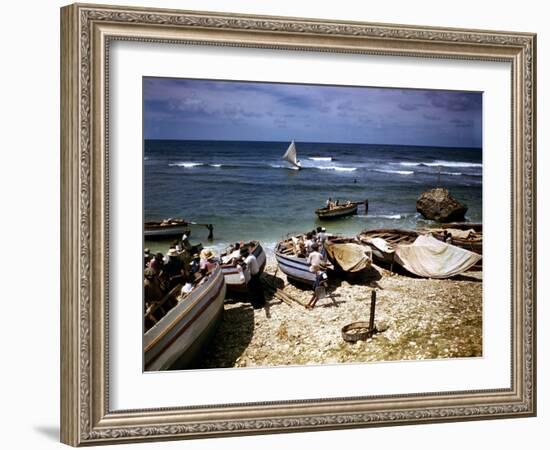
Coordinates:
(248,192)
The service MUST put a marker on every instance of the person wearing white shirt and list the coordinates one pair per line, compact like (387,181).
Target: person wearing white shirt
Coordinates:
(255,284)
(316,261)
(309,242)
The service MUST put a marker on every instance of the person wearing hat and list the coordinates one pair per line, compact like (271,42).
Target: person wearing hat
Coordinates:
(173,269)
(195,264)
(254,284)
(207,261)
(157,263)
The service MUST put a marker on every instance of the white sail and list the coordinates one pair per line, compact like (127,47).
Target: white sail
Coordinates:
(290,156)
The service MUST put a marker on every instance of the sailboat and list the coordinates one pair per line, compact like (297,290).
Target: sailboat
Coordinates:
(290,156)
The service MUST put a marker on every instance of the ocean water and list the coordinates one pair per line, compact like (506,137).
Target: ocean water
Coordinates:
(248,192)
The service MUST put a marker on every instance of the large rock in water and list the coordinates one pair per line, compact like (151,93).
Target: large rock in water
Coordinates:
(437,204)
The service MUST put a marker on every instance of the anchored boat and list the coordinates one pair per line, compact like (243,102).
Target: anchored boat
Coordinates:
(334,212)
(236,279)
(178,328)
(170,228)
(165,229)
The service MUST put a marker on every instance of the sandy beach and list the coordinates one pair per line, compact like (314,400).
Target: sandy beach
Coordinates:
(421,319)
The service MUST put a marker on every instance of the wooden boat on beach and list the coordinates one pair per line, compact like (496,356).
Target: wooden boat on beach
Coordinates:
(335,212)
(392,236)
(294,267)
(237,279)
(476,226)
(420,253)
(165,229)
(348,254)
(177,329)
(461,235)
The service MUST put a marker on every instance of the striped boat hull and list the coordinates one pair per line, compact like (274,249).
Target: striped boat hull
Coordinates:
(295,268)
(172,342)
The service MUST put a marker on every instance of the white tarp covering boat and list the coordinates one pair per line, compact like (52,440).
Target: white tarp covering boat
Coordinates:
(431,258)
(349,256)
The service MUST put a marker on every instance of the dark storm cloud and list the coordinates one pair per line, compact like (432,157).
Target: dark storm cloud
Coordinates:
(462,123)
(431,116)
(455,101)
(209,109)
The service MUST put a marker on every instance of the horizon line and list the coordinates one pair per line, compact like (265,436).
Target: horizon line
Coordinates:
(311,142)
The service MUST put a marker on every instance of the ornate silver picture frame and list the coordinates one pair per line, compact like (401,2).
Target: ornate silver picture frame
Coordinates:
(87,32)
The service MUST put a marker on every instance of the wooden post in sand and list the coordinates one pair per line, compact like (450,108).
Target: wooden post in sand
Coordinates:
(372,311)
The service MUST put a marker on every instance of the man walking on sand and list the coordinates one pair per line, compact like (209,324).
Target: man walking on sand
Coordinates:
(316,263)
(254,285)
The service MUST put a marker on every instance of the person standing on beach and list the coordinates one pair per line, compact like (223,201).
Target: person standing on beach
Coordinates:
(146,257)
(321,238)
(157,263)
(309,242)
(186,245)
(255,284)
(173,269)
(316,262)
(208,261)
(152,291)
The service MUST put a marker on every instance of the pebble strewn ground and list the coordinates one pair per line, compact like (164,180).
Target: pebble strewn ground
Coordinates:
(422,319)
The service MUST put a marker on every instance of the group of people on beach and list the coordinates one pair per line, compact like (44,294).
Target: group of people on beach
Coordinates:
(303,245)
(184,264)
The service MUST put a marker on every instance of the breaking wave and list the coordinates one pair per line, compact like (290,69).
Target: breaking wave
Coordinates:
(190,165)
(441,163)
(398,172)
(320,158)
(186,164)
(338,169)
(382,216)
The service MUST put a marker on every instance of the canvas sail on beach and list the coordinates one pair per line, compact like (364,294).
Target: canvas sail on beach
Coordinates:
(232,183)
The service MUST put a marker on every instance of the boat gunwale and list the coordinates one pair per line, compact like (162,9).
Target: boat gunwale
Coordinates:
(191,302)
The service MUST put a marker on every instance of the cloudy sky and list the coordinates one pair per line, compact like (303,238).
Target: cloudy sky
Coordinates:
(229,110)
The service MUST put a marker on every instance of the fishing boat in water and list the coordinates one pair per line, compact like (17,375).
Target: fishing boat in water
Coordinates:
(337,211)
(237,278)
(165,229)
(178,327)
(170,228)
(291,157)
